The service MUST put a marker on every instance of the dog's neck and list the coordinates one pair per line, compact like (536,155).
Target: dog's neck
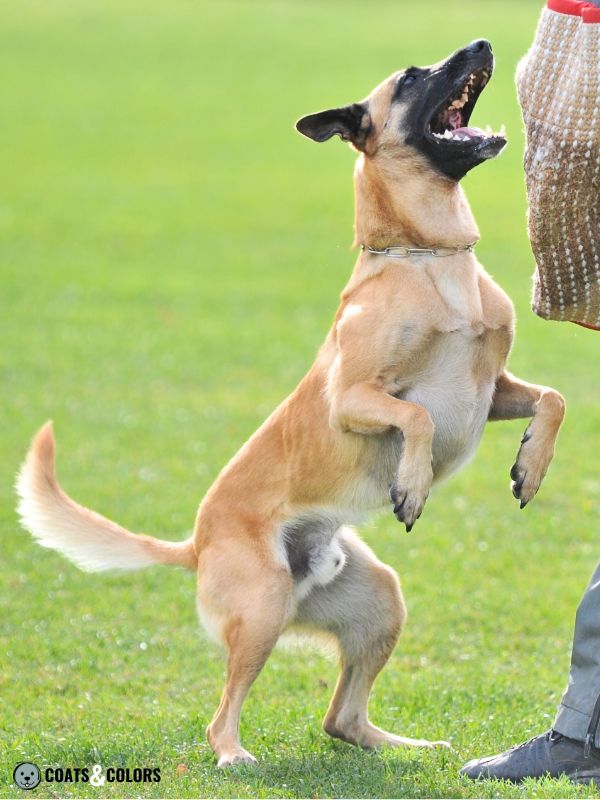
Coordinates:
(405,204)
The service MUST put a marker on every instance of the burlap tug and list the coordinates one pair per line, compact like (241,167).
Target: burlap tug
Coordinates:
(559,91)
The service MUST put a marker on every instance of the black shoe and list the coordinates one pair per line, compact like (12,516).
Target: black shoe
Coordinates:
(550,754)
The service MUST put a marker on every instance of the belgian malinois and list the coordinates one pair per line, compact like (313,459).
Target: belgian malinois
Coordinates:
(397,399)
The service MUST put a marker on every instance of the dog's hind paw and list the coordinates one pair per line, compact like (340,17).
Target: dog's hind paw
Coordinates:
(231,758)
(389,740)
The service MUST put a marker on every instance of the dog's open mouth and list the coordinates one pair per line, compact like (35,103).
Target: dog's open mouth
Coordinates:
(449,123)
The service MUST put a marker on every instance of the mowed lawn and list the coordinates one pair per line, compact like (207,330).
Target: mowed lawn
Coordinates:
(171,257)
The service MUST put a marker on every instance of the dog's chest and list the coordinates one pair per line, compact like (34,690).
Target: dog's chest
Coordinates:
(455,382)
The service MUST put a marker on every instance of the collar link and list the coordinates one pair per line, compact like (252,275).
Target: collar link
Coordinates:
(403,251)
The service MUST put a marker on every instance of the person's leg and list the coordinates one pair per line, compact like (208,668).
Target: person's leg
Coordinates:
(579,710)
(572,746)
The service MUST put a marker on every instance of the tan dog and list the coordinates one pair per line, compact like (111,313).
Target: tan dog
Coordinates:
(397,399)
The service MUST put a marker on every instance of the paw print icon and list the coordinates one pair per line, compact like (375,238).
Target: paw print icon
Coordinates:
(26,775)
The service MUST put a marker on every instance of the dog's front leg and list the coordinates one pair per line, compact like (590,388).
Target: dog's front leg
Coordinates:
(515,399)
(367,409)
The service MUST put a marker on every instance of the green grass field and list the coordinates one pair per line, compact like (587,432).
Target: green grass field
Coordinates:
(172,252)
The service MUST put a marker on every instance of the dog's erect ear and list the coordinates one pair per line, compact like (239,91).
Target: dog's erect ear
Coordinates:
(351,123)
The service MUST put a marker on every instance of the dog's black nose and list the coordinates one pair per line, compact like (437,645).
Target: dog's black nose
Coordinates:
(478,46)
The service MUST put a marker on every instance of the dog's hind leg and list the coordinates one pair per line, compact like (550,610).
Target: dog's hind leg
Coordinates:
(363,608)
(247,597)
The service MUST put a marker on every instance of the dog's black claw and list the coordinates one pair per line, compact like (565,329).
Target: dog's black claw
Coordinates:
(409,527)
(514,471)
(526,436)
(523,503)
(398,506)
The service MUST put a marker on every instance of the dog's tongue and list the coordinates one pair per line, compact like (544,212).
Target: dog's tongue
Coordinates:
(455,118)
(470,133)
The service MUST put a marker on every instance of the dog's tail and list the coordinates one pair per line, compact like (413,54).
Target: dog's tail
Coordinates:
(88,539)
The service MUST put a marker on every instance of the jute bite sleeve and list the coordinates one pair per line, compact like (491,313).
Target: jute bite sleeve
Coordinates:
(559,91)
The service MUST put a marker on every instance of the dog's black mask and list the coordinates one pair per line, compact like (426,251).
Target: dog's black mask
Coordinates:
(439,102)
(430,109)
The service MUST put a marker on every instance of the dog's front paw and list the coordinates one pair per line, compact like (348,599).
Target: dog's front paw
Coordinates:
(528,471)
(408,496)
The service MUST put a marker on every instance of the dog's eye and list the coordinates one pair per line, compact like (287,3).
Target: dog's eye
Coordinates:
(408,79)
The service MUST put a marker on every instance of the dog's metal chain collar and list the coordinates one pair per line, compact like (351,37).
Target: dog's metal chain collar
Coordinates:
(439,251)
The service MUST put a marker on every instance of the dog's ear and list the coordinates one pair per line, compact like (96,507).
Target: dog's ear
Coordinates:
(351,123)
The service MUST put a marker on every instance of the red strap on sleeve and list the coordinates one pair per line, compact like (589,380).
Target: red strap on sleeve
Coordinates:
(590,14)
(571,7)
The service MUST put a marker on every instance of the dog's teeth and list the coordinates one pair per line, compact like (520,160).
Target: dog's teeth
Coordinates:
(502,131)
(488,131)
